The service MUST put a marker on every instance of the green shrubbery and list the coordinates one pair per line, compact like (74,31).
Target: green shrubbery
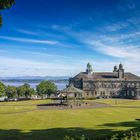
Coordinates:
(90,98)
(83,98)
(124,136)
(81,138)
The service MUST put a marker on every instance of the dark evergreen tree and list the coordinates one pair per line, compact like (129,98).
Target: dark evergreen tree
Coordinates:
(4,4)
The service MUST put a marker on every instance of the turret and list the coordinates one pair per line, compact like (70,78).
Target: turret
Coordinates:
(89,69)
(115,69)
(120,66)
(120,71)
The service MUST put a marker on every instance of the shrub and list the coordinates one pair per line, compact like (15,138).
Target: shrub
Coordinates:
(90,98)
(124,136)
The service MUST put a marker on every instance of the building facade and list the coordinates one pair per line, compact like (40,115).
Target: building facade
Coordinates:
(107,84)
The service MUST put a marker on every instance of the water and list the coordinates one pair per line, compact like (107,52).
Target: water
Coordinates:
(60,86)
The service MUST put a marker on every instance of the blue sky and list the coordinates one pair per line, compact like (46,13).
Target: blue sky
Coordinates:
(59,37)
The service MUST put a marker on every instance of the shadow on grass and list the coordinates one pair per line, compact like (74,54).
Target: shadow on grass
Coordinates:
(59,133)
(52,134)
(134,124)
(53,104)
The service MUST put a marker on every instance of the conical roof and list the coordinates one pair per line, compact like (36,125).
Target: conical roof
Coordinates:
(72,89)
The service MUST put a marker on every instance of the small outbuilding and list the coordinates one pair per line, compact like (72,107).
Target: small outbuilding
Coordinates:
(70,94)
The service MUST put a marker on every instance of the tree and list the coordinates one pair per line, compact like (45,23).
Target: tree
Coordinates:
(28,90)
(25,91)
(2,89)
(32,92)
(20,91)
(46,88)
(4,4)
(11,92)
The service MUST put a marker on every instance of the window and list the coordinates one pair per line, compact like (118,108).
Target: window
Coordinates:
(128,85)
(127,93)
(137,85)
(92,93)
(111,93)
(103,93)
(133,84)
(113,86)
(95,93)
(133,93)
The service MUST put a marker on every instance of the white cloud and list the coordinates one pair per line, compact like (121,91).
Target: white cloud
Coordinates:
(22,67)
(112,45)
(126,52)
(114,27)
(120,38)
(23,31)
(129,55)
(26,40)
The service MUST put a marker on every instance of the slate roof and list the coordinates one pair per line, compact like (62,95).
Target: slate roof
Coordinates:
(106,76)
(72,89)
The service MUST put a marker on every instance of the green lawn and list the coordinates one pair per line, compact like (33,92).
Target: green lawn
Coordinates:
(119,102)
(26,122)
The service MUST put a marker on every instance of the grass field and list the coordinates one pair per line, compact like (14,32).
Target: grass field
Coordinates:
(23,120)
(118,102)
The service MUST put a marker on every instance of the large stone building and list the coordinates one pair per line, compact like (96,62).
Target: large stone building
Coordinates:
(108,84)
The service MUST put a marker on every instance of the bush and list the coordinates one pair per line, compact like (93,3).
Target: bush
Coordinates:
(81,138)
(124,136)
(90,98)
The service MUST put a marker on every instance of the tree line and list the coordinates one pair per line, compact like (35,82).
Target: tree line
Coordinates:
(45,88)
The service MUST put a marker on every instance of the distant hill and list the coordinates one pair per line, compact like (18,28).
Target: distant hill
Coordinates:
(35,79)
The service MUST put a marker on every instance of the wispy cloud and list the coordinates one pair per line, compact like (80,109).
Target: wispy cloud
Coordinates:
(27,32)
(22,67)
(125,52)
(116,27)
(120,38)
(129,6)
(128,55)
(61,28)
(27,40)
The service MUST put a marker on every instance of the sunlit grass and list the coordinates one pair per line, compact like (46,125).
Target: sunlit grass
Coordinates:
(119,102)
(53,124)
(28,102)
